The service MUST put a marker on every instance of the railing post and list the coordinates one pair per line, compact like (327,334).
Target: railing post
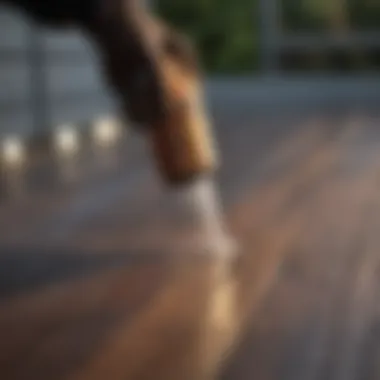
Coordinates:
(270,29)
(38,81)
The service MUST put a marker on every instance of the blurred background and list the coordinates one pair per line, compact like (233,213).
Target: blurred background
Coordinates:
(289,36)
(44,73)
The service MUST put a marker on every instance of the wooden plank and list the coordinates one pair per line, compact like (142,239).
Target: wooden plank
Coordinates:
(305,211)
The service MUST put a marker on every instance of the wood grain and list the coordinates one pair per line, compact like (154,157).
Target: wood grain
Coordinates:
(118,293)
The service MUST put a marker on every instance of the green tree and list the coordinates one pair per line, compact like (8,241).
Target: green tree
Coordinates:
(223,31)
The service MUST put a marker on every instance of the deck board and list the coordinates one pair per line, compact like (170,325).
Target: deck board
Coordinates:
(113,292)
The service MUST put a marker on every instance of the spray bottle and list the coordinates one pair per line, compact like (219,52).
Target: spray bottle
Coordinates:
(183,142)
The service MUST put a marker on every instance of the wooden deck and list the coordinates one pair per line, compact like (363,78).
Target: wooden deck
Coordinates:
(97,280)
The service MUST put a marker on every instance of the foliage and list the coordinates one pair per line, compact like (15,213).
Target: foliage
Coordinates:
(222,30)
(227,32)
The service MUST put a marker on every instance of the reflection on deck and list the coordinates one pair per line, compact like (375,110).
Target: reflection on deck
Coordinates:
(98,279)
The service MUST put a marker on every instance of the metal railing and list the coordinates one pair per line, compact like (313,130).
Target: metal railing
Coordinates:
(36,102)
(274,40)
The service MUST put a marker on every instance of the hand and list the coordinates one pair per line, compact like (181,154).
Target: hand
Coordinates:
(135,47)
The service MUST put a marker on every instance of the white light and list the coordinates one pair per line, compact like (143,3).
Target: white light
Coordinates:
(66,140)
(106,131)
(13,151)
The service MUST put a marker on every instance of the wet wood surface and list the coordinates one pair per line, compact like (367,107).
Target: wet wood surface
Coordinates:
(98,281)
